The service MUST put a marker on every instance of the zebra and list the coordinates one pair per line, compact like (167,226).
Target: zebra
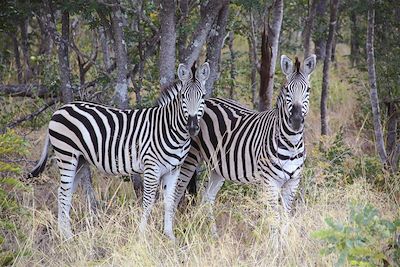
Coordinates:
(246,146)
(153,141)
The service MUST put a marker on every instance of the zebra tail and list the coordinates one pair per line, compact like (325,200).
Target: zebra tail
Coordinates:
(39,168)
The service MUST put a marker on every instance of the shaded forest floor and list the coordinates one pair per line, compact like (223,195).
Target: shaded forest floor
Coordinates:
(345,173)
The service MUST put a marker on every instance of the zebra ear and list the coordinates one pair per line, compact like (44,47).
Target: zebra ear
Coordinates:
(286,65)
(309,64)
(184,73)
(203,72)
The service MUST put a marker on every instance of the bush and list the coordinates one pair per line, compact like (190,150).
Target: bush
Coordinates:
(11,146)
(365,240)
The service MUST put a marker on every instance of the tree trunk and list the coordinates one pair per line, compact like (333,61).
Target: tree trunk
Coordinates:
(264,71)
(308,28)
(233,66)
(253,61)
(63,58)
(380,146)
(209,10)
(320,42)
(167,43)
(354,41)
(25,48)
(273,37)
(121,88)
(105,47)
(214,47)
(182,37)
(391,127)
(17,57)
(325,78)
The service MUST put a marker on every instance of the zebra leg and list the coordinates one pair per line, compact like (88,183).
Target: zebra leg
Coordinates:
(213,186)
(169,184)
(288,193)
(150,183)
(273,192)
(67,167)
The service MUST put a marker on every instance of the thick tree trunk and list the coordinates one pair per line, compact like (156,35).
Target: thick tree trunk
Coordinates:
(308,28)
(17,57)
(266,52)
(380,146)
(277,12)
(214,47)
(182,37)
(121,87)
(63,58)
(233,66)
(167,43)
(325,78)
(25,48)
(208,12)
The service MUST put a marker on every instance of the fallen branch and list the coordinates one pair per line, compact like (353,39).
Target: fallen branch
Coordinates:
(29,117)
(28,90)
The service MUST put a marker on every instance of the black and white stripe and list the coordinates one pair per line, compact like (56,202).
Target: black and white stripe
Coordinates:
(153,141)
(246,146)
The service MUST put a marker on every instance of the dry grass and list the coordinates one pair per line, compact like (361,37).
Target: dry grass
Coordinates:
(246,237)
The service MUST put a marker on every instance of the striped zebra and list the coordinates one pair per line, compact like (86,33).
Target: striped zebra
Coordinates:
(153,141)
(246,146)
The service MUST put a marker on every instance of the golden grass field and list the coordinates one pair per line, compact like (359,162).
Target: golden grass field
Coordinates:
(243,219)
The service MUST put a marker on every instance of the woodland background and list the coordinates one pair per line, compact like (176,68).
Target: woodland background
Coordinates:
(124,52)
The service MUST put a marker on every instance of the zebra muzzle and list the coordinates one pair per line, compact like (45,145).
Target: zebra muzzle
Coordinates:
(193,125)
(296,119)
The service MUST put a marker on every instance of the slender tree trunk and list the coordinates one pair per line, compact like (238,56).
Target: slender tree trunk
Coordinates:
(354,41)
(121,88)
(167,43)
(266,52)
(380,146)
(273,37)
(325,78)
(105,47)
(308,28)
(17,57)
(214,47)
(25,48)
(63,57)
(391,127)
(320,41)
(253,60)
(209,11)
(233,66)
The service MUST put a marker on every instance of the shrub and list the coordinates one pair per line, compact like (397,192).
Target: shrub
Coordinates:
(365,240)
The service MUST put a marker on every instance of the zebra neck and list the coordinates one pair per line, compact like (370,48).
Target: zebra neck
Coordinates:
(176,119)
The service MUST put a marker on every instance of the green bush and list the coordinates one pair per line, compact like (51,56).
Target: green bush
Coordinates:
(364,240)
(12,146)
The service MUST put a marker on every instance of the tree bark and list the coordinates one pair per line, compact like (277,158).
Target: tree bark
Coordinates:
(233,66)
(380,146)
(354,40)
(252,40)
(308,28)
(269,54)
(121,88)
(325,78)
(25,49)
(214,47)
(182,37)
(266,52)
(17,57)
(167,43)
(105,47)
(320,41)
(208,13)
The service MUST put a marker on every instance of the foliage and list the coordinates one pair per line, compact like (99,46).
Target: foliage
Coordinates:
(364,240)
(11,146)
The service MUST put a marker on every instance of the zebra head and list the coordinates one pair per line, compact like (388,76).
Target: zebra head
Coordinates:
(296,91)
(192,95)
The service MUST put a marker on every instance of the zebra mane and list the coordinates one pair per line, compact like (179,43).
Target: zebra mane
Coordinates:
(297,64)
(169,93)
